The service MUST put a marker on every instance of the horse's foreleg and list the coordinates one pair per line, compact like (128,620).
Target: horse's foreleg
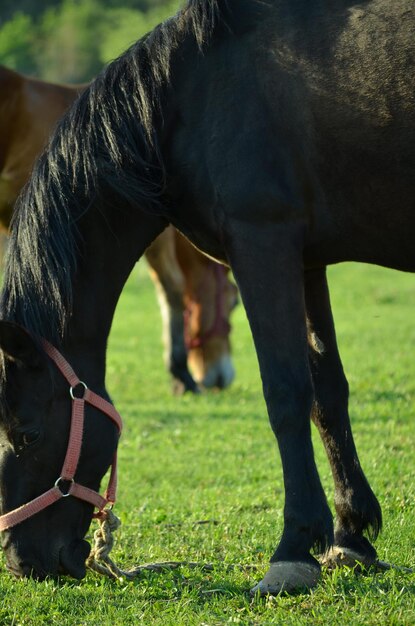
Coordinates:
(356,506)
(169,281)
(268,267)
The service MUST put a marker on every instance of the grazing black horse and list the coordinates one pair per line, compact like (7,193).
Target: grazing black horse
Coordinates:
(279,137)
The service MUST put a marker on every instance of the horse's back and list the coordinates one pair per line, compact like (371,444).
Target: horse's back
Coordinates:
(29,110)
(9,80)
(11,85)
(355,69)
(46,102)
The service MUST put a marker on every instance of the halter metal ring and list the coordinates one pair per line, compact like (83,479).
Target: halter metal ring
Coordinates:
(71,390)
(66,480)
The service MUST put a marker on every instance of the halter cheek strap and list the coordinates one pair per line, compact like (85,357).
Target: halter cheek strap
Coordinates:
(73,452)
(220,327)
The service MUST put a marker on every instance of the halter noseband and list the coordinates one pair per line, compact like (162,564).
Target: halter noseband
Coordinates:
(8,520)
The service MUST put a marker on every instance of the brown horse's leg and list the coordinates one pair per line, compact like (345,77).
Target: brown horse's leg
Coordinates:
(268,267)
(356,506)
(169,280)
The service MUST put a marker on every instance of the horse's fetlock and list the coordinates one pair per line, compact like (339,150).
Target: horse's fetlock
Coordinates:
(323,534)
(356,542)
(358,511)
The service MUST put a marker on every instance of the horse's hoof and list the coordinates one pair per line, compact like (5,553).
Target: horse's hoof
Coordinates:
(179,388)
(288,576)
(338,556)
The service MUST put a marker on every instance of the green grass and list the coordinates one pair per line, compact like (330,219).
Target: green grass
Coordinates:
(213,459)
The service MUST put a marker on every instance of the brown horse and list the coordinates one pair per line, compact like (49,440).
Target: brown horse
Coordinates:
(195,294)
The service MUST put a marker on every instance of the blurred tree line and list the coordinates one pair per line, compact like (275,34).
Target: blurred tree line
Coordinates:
(71,40)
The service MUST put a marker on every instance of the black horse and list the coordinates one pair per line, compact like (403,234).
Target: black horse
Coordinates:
(279,137)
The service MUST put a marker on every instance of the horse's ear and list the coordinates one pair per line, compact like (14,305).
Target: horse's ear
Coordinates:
(17,345)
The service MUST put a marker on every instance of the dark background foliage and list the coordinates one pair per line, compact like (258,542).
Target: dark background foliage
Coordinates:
(71,40)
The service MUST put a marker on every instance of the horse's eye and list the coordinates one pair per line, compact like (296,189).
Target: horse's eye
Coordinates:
(30,437)
(25,439)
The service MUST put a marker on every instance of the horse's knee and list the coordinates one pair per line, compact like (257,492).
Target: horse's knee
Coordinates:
(292,404)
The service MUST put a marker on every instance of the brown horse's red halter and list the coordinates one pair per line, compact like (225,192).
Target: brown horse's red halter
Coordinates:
(220,326)
(73,452)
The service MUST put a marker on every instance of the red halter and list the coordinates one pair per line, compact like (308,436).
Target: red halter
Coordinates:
(73,452)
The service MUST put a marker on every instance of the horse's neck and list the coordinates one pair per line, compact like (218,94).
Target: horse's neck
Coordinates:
(111,247)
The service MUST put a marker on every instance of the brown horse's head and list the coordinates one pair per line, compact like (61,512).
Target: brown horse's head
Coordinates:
(210,298)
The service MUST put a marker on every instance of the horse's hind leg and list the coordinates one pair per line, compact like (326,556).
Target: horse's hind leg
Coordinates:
(268,267)
(169,281)
(357,509)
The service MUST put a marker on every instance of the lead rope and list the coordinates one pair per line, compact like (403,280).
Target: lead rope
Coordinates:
(100,562)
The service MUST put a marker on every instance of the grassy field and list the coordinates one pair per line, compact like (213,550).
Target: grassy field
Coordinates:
(200,478)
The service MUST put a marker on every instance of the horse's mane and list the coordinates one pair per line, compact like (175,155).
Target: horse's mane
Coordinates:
(105,146)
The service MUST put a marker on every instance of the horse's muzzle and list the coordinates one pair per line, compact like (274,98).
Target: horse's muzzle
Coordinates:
(72,560)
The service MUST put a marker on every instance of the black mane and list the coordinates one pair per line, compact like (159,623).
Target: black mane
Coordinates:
(105,145)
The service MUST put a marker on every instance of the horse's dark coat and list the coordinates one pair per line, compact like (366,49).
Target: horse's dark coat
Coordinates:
(279,137)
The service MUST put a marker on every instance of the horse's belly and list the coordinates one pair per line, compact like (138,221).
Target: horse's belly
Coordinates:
(368,219)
